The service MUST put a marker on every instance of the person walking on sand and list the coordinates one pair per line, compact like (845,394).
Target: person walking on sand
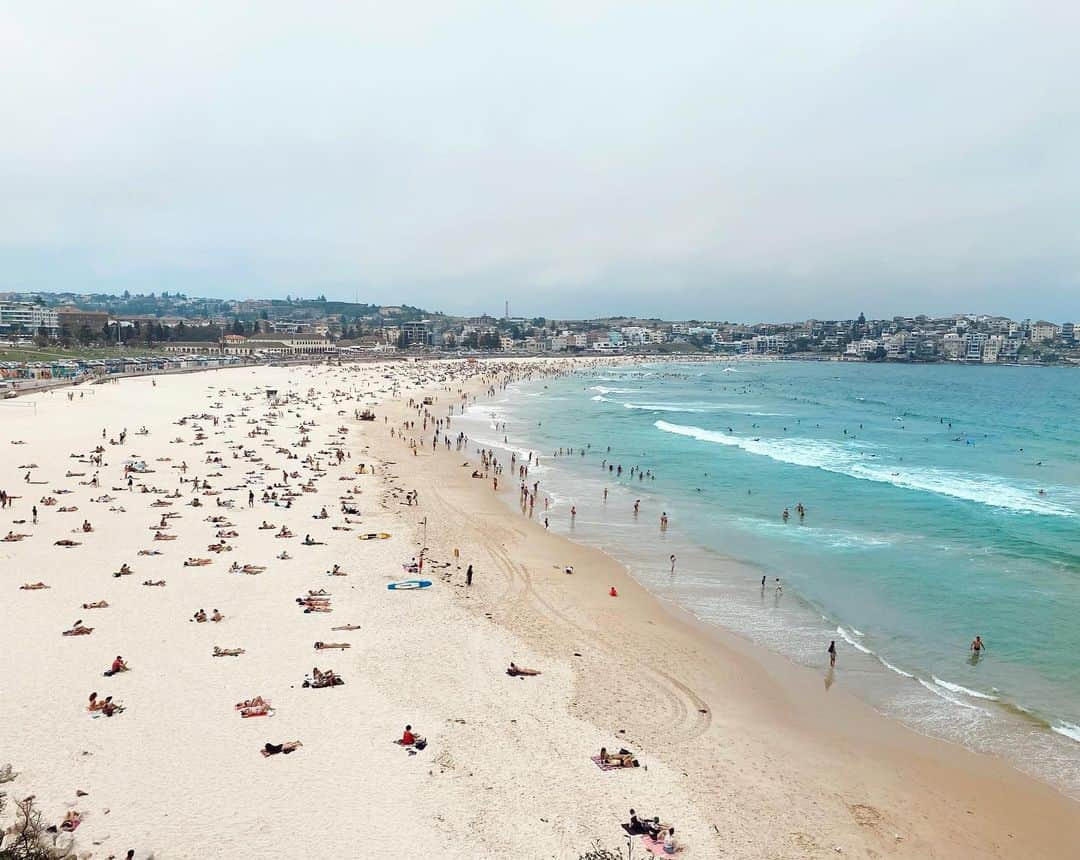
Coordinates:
(832,654)
(33,512)
(468,576)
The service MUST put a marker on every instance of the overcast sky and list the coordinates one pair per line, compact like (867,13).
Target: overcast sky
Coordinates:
(716,160)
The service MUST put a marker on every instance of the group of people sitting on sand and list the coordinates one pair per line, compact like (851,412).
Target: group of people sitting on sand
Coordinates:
(200,616)
(104,706)
(664,834)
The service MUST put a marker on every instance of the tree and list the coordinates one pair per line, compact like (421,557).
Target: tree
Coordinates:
(237,326)
(31,838)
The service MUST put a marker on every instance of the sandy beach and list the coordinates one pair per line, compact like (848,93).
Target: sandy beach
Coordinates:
(746,754)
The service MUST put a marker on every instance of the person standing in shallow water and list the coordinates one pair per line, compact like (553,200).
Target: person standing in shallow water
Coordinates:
(832,653)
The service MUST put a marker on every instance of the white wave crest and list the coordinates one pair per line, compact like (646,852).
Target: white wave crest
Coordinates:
(603,389)
(957,688)
(942,694)
(852,642)
(847,459)
(1069,730)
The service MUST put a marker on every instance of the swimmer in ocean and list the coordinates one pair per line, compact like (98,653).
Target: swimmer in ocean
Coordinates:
(977,646)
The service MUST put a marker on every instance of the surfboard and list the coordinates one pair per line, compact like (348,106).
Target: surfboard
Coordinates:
(374,536)
(408,584)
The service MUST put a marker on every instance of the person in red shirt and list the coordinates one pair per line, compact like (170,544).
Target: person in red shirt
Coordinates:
(119,665)
(408,738)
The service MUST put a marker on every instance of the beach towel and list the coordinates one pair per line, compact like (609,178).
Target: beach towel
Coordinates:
(656,848)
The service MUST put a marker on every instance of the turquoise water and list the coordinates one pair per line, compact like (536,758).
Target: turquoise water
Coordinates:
(924,523)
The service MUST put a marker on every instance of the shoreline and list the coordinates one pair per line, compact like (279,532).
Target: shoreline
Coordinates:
(741,749)
(879,682)
(792,699)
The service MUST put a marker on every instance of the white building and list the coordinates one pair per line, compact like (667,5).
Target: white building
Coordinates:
(952,345)
(1043,331)
(974,343)
(27,318)
(992,349)
(290,344)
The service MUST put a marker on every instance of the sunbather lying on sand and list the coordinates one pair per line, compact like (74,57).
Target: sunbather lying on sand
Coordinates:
(154,582)
(33,586)
(66,542)
(623,758)
(227,652)
(309,541)
(326,646)
(323,679)
(347,627)
(162,536)
(13,537)
(97,604)
(516,671)
(284,533)
(257,702)
(270,749)
(72,819)
(150,552)
(77,629)
(266,525)
(322,592)
(198,562)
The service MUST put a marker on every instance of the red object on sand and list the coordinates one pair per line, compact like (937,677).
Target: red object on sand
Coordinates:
(613,592)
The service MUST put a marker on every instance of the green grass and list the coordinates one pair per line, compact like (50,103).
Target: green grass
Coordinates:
(56,353)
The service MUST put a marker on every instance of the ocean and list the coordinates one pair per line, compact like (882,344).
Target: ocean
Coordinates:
(941,502)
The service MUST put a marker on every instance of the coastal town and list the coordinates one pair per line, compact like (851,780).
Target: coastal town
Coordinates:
(66,329)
